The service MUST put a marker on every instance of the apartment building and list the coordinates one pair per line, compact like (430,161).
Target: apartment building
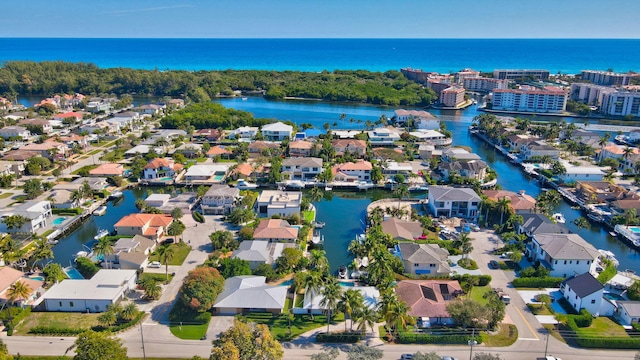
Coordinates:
(605,77)
(590,94)
(621,103)
(519,74)
(452,96)
(483,84)
(530,100)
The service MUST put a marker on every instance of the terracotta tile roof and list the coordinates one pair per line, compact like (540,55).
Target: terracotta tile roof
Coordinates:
(140,220)
(218,150)
(160,162)
(428,298)
(518,201)
(44,146)
(108,169)
(275,229)
(360,165)
(301,145)
(8,276)
(349,143)
(243,169)
(68,115)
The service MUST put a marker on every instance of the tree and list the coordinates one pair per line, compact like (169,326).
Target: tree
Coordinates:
(129,312)
(363,352)
(108,318)
(92,345)
(330,296)
(176,213)
(41,250)
(318,260)
(104,248)
(401,192)
(467,312)
(86,267)
(496,308)
(19,290)
(166,253)
(246,342)
(634,291)
(200,288)
(32,188)
(53,273)
(315,194)
(366,317)
(352,301)
(328,354)
(176,228)
(503,207)
(230,267)
(289,260)
(4,353)
(223,239)
(582,223)
(152,290)
(395,313)
(15,221)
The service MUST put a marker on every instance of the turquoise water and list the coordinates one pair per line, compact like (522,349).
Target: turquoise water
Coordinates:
(73,274)
(168,178)
(218,177)
(58,221)
(634,229)
(39,278)
(612,296)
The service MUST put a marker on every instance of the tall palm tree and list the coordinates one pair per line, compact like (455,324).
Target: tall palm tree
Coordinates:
(366,317)
(331,293)
(318,260)
(396,316)
(18,291)
(629,216)
(503,207)
(315,194)
(352,301)
(401,192)
(108,318)
(41,250)
(129,311)
(582,223)
(166,253)
(104,248)
(311,281)
(602,142)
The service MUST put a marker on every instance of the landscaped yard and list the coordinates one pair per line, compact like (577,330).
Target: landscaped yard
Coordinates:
(309,216)
(279,325)
(478,292)
(539,309)
(603,326)
(506,336)
(62,320)
(190,331)
(180,252)
(158,277)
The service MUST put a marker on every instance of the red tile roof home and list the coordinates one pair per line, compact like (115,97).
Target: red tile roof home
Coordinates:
(145,224)
(354,166)
(218,150)
(243,169)
(275,229)
(301,145)
(213,134)
(67,115)
(47,145)
(8,276)
(518,201)
(108,169)
(428,298)
(158,163)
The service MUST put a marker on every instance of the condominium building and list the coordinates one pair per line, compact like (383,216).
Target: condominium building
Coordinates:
(605,77)
(519,74)
(452,96)
(417,75)
(551,101)
(621,103)
(590,94)
(464,74)
(483,84)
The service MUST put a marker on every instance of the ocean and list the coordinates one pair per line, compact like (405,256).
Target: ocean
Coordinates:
(442,55)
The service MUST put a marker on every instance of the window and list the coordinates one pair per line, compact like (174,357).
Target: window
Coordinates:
(415,265)
(593,301)
(71,303)
(576,297)
(565,262)
(577,262)
(432,265)
(60,303)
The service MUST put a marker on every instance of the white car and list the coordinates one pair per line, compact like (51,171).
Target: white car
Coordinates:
(154,264)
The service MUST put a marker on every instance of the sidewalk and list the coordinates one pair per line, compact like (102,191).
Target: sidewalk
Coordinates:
(308,340)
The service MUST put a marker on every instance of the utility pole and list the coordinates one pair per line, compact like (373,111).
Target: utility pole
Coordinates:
(546,345)
(472,342)
(144,354)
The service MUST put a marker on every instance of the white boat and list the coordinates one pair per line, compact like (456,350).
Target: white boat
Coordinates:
(317,239)
(606,254)
(100,211)
(116,194)
(244,99)
(101,233)
(318,224)
(52,241)
(328,188)
(342,272)
(558,218)
(81,253)
(243,185)
(418,188)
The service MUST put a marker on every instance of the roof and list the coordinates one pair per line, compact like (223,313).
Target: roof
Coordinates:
(303,161)
(261,251)
(218,150)
(275,229)
(154,221)
(207,169)
(251,292)
(278,126)
(584,285)
(261,145)
(425,254)
(8,276)
(222,190)
(416,113)
(301,145)
(631,307)
(427,297)
(353,143)
(567,246)
(104,285)
(536,223)
(44,146)
(446,193)
(400,229)
(243,169)
(518,201)
(354,166)
(108,169)
(161,162)
(278,197)
(158,197)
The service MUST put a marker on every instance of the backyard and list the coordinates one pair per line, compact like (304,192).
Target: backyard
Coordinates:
(279,324)
(180,252)
(58,320)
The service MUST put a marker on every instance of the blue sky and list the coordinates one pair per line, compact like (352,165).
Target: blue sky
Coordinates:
(322,19)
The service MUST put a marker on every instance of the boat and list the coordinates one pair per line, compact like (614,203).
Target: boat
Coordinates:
(418,188)
(594,217)
(243,185)
(318,224)
(244,99)
(613,233)
(100,211)
(52,241)
(81,253)
(101,233)
(317,239)
(116,194)
(608,255)
(558,218)
(328,188)
(342,272)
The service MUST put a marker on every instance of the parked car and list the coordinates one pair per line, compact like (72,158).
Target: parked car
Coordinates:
(406,357)
(449,358)
(168,241)
(154,264)
(494,264)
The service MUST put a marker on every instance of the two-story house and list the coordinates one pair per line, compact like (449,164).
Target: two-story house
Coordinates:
(518,202)
(352,171)
(458,154)
(474,169)
(383,137)
(564,255)
(275,230)
(423,259)
(421,119)
(259,148)
(357,148)
(515,142)
(277,131)
(244,133)
(152,226)
(538,149)
(36,213)
(453,202)
(302,168)
(536,223)
(276,202)
(14,132)
(300,148)
(219,200)
(160,168)
(583,292)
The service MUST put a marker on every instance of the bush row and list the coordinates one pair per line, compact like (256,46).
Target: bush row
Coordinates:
(416,338)
(198,217)
(483,280)
(537,282)
(71,211)
(47,330)
(339,337)
(583,320)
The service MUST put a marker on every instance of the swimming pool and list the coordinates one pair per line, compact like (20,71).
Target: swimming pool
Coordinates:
(58,221)
(39,278)
(635,229)
(218,177)
(168,178)
(613,296)
(73,273)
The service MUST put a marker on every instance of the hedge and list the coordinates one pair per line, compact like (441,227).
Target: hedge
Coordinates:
(71,211)
(602,342)
(417,338)
(483,280)
(339,337)
(46,330)
(536,282)
(584,319)
(198,217)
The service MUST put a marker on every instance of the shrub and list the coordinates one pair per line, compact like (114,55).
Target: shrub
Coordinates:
(584,319)
(536,282)
(417,338)
(483,280)
(339,337)
(46,330)
(198,217)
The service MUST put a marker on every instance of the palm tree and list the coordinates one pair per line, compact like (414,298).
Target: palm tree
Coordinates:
(129,311)
(602,142)
(315,194)
(629,216)
(366,316)
(582,223)
(311,282)
(104,248)
(152,290)
(18,291)
(331,293)
(401,192)
(41,250)
(166,253)
(318,260)
(503,207)
(108,318)
(352,301)
(396,316)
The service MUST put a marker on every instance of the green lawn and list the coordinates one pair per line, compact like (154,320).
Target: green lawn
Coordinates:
(180,252)
(309,216)
(158,277)
(87,168)
(189,332)
(94,152)
(478,292)
(506,336)
(279,325)
(62,320)
(603,326)
(5,195)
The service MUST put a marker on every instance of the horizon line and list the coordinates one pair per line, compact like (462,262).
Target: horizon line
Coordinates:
(317,38)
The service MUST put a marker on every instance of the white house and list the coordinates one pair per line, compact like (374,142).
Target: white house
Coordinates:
(276,202)
(157,200)
(160,168)
(583,292)
(564,255)
(36,211)
(432,137)
(244,133)
(421,259)
(302,168)
(538,149)
(357,171)
(277,131)
(422,119)
(453,202)
(210,173)
(580,173)
(130,253)
(628,312)
(382,137)
(313,299)
(219,200)
(250,293)
(15,132)
(105,288)
(458,154)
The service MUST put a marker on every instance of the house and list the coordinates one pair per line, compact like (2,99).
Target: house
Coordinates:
(104,289)
(300,148)
(402,229)
(346,134)
(583,292)
(563,254)
(302,168)
(96,183)
(61,199)
(206,135)
(17,156)
(12,167)
(277,131)
(248,293)
(383,137)
(427,151)
(431,137)
(9,276)
(219,200)
(312,301)
(458,154)
(516,142)
(71,117)
(109,169)
(131,253)
(209,173)
(474,169)
(49,149)
(276,202)
(36,211)
(518,202)
(258,252)
(421,119)
(157,200)
(149,225)
(244,133)
(357,148)
(262,148)
(218,151)
(43,125)
(160,168)
(599,191)
(579,135)
(176,103)
(574,173)
(538,149)
(185,201)
(535,223)
(189,150)
(242,171)
(352,171)
(428,299)
(151,109)
(15,132)
(99,105)
(424,259)
(453,202)
(628,312)
(275,230)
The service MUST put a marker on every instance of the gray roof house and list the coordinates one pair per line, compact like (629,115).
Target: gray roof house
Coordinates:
(302,168)
(250,293)
(219,199)
(583,292)
(534,223)
(131,253)
(628,312)
(565,255)
(421,259)
(401,229)
(258,252)
(453,202)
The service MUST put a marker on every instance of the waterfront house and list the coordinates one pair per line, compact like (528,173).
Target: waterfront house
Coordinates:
(383,137)
(516,142)
(621,206)
(109,169)
(393,167)
(302,168)
(275,230)
(629,164)
(15,132)
(207,173)
(37,213)
(421,119)
(96,183)
(599,191)
(300,148)
(277,131)
(258,252)
(518,202)
(428,299)
(423,259)
(579,173)
(563,254)
(583,292)
(9,276)
(538,149)
(458,154)
(402,229)
(61,199)
(244,133)
(277,202)
(453,202)
(357,148)
(536,223)
(431,137)
(474,169)
(259,148)
(219,200)
(157,200)
(427,151)
(160,168)
(176,103)
(185,201)
(131,253)
(628,312)
(206,135)
(352,171)
(579,135)
(345,134)
(150,225)
(613,151)
(313,299)
(104,289)
(97,105)
(69,117)
(249,293)
(151,109)
(242,171)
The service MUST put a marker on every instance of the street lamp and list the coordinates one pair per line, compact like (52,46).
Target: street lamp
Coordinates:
(471,343)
